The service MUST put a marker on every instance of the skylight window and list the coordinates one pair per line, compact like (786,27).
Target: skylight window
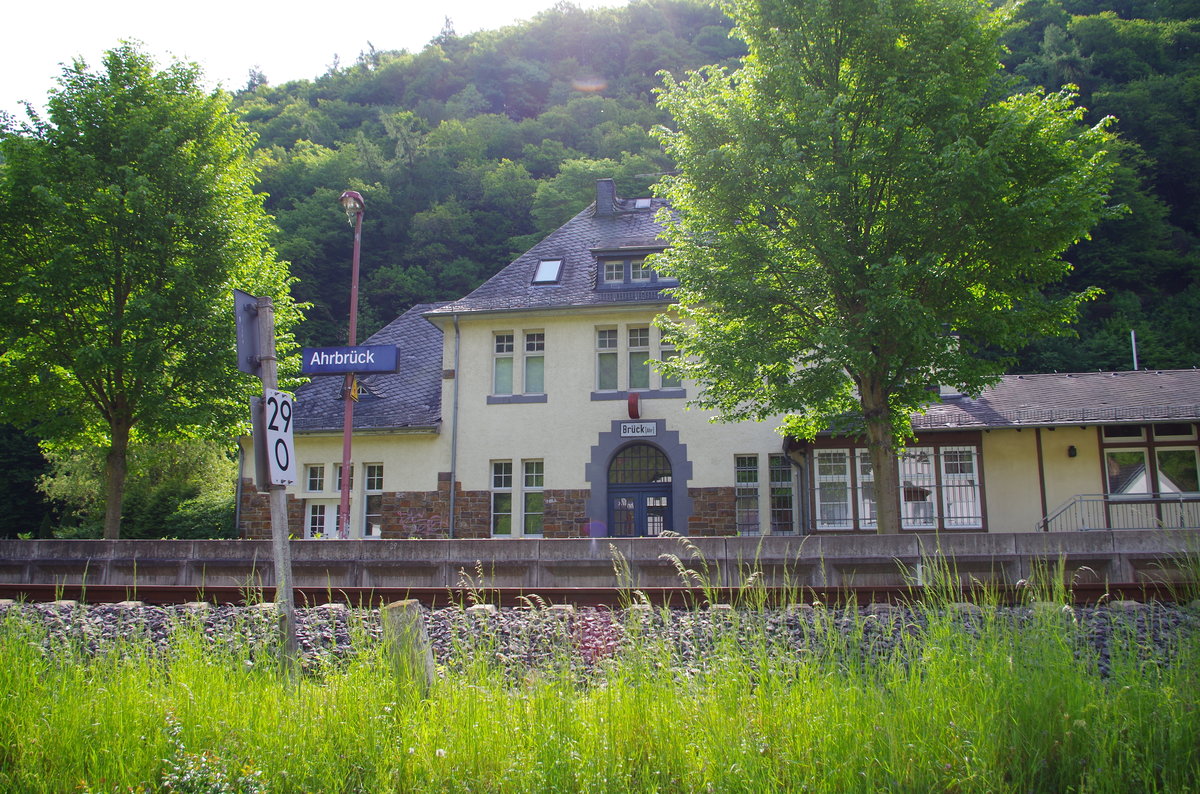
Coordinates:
(548,271)
(642,204)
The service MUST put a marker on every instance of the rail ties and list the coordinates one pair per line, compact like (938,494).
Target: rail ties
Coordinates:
(612,598)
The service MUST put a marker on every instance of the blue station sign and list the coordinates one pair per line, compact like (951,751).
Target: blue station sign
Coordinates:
(341,360)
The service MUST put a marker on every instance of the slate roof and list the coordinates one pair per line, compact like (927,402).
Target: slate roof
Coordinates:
(610,224)
(1071,399)
(410,397)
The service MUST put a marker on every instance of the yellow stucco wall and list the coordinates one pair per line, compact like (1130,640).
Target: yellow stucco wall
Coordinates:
(1010,478)
(1067,477)
(1012,481)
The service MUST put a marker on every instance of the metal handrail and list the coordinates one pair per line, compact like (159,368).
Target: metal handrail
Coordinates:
(1084,512)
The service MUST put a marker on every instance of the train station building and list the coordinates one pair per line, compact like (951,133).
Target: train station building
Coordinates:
(532,407)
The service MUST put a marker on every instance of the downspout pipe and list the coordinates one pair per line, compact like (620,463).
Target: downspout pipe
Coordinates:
(454,431)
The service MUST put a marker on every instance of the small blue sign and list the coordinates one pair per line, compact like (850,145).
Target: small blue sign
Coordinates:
(340,360)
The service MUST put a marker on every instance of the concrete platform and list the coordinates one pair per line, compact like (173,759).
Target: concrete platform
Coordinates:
(1118,556)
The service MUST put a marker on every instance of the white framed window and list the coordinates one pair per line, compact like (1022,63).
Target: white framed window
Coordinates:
(1145,474)
(314,477)
(865,471)
(315,523)
(745,496)
(918,487)
(533,503)
(632,272)
(502,363)
(666,352)
(1124,432)
(535,362)
(627,358)
(1127,471)
(639,357)
(960,488)
(373,500)
(1141,459)
(374,476)
(940,487)
(1178,471)
(518,365)
(1174,431)
(518,498)
(783,495)
(606,359)
(502,498)
(832,473)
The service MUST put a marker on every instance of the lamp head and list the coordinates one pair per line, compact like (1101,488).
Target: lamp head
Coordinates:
(352,202)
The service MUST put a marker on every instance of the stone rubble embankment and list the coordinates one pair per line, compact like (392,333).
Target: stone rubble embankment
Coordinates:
(582,640)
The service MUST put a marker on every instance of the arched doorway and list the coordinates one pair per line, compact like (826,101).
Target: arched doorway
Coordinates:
(639,492)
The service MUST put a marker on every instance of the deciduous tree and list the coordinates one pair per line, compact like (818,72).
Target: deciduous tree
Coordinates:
(127,215)
(862,215)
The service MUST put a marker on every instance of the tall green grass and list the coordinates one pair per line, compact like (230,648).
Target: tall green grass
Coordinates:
(953,700)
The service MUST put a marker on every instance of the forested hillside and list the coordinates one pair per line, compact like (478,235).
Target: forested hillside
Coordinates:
(468,152)
(472,149)
(1140,62)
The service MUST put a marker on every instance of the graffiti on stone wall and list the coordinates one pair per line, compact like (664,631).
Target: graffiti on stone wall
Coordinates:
(417,524)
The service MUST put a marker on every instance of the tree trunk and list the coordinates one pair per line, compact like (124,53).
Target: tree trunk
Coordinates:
(882,448)
(115,468)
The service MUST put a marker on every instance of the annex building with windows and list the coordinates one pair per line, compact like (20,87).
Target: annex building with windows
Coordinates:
(532,407)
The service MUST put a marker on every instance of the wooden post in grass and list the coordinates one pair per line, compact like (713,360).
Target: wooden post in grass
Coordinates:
(407,642)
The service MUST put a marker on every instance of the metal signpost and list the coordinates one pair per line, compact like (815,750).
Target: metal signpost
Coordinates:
(352,203)
(273,415)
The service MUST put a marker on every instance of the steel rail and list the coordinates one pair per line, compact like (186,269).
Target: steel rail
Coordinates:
(609,597)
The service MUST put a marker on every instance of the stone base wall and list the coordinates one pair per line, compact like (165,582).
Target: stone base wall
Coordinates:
(426,514)
(255,517)
(474,514)
(713,512)
(566,514)
(417,514)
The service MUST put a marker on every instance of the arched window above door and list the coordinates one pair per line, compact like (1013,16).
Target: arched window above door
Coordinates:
(639,464)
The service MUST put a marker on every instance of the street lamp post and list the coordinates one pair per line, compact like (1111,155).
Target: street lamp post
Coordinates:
(353,204)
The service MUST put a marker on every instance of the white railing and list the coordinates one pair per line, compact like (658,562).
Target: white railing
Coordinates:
(1125,511)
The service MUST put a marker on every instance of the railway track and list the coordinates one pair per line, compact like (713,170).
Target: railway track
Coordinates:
(613,598)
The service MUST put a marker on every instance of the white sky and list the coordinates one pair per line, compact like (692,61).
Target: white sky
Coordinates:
(287,41)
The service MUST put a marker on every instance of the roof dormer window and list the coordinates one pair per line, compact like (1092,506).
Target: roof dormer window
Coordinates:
(549,271)
(629,272)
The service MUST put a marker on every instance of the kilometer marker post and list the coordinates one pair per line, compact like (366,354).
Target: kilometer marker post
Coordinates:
(256,352)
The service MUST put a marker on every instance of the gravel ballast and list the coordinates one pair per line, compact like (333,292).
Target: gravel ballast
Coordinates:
(524,639)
